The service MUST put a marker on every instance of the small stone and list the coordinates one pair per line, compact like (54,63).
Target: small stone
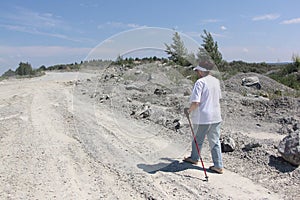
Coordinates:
(129,99)
(227,144)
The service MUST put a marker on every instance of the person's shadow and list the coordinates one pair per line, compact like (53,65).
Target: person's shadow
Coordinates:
(169,166)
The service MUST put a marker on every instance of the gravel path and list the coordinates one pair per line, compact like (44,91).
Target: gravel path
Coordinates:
(56,143)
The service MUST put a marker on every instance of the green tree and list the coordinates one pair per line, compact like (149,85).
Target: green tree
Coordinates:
(289,74)
(177,50)
(42,68)
(119,60)
(211,47)
(9,73)
(24,69)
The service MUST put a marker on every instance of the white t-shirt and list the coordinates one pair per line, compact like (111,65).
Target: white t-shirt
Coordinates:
(207,92)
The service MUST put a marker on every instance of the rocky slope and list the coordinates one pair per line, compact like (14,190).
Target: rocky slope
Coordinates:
(256,119)
(120,133)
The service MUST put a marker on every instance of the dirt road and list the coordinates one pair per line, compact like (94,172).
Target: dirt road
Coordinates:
(57,144)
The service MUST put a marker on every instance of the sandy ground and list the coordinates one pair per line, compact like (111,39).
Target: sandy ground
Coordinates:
(57,145)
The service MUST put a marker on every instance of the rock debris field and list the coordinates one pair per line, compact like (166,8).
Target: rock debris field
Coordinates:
(119,132)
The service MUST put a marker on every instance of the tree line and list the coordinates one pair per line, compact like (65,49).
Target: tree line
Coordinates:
(25,69)
(288,74)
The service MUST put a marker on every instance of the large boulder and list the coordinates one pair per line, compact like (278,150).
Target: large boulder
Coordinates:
(289,148)
(251,81)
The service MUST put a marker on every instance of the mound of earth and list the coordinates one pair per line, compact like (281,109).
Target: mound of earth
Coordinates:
(268,85)
(157,95)
(119,132)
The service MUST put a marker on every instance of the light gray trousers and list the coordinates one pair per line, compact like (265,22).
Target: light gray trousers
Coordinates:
(213,135)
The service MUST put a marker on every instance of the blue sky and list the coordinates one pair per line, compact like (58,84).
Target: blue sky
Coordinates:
(55,32)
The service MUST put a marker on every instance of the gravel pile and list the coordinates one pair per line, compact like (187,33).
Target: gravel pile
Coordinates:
(157,95)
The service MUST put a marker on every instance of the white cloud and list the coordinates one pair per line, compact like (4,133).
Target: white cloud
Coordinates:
(28,18)
(245,50)
(32,31)
(133,25)
(46,24)
(35,31)
(218,35)
(223,28)
(208,21)
(266,17)
(291,21)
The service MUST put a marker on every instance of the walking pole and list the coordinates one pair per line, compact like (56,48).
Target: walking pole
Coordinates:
(198,150)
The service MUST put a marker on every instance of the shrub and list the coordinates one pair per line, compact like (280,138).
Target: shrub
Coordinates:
(24,69)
